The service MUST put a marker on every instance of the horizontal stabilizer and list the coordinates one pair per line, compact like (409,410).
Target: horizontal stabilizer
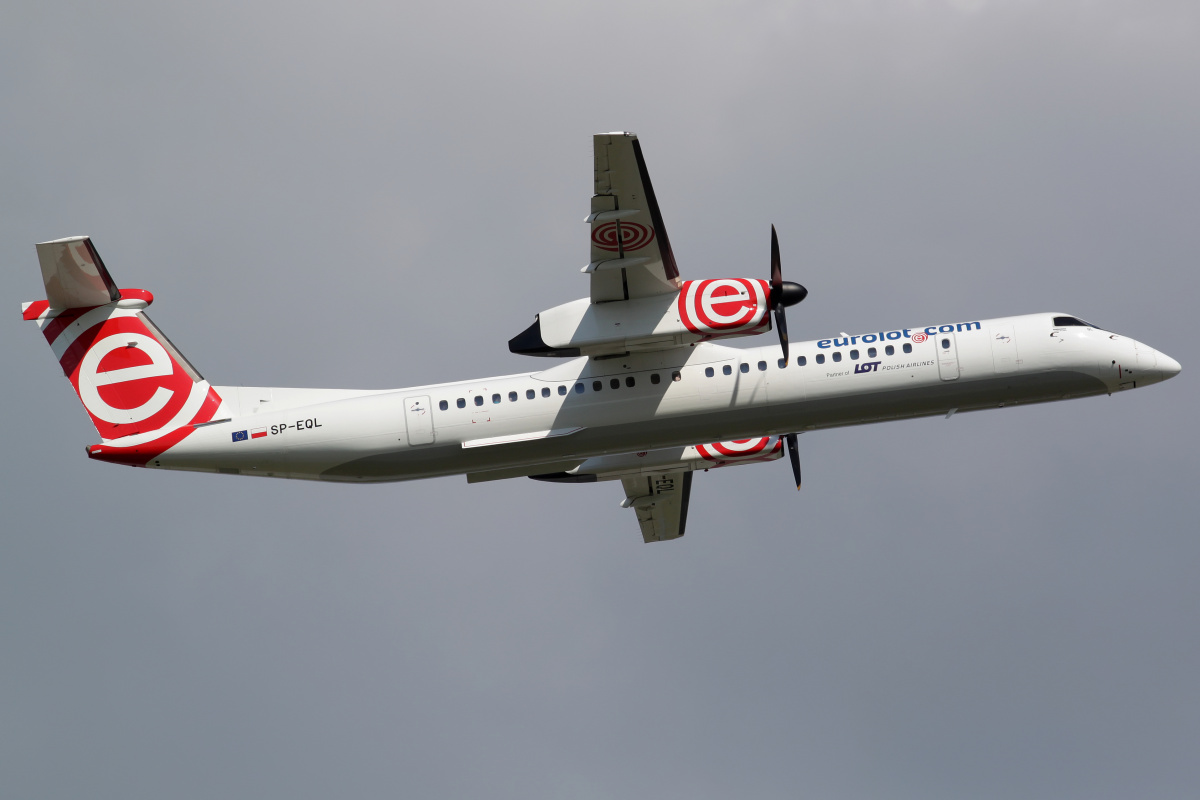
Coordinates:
(74,275)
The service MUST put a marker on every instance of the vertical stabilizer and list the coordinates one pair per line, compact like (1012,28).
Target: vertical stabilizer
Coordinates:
(140,392)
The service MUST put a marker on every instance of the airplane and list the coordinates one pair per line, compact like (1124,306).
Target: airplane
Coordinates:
(647,395)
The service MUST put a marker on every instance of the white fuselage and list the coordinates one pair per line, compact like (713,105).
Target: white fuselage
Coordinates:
(548,421)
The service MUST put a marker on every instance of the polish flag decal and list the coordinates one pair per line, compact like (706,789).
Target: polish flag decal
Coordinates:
(258,433)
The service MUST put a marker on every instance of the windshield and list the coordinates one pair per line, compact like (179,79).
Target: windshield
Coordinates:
(1062,322)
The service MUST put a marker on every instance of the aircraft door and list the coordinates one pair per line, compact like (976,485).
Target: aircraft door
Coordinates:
(947,356)
(1004,349)
(418,418)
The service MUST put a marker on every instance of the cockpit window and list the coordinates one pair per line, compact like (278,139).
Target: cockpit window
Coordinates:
(1062,322)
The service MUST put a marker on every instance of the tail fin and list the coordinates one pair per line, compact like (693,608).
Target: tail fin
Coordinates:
(142,394)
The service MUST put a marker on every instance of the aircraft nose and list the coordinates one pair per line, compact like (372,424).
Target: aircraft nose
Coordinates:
(1169,366)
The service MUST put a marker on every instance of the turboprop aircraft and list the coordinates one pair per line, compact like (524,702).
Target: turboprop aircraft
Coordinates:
(648,395)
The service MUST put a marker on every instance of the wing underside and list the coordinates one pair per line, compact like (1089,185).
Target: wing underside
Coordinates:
(661,503)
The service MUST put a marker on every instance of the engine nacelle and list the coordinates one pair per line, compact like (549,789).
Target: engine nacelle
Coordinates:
(705,309)
(674,459)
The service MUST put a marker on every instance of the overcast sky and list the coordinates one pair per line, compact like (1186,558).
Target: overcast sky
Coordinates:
(377,194)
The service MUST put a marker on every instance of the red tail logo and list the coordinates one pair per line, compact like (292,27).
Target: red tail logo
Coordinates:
(127,381)
(141,394)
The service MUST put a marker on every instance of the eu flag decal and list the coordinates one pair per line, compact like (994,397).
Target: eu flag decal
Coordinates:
(239,436)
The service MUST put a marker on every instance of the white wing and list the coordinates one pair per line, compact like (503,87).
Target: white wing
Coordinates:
(630,253)
(661,503)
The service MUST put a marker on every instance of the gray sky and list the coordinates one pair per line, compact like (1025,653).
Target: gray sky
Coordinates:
(374,195)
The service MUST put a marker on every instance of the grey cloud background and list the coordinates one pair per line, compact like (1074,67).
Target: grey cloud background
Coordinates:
(380,195)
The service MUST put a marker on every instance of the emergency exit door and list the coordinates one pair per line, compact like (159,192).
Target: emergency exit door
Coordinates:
(418,418)
(947,356)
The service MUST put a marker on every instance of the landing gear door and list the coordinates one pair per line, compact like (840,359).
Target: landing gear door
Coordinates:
(947,356)
(418,418)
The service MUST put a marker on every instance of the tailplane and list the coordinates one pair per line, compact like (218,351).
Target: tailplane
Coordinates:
(140,392)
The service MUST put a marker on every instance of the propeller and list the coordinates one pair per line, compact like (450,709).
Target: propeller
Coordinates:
(783,294)
(794,456)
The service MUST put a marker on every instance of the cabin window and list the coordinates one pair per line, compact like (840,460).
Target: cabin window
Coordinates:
(654,378)
(708,372)
(820,358)
(597,385)
(614,383)
(562,390)
(854,355)
(782,364)
(907,347)
(945,344)
(443,405)
(461,402)
(801,361)
(630,381)
(545,391)
(495,398)
(478,399)
(837,355)
(726,370)
(579,388)
(891,351)
(872,352)
(530,394)
(745,368)
(762,366)
(676,377)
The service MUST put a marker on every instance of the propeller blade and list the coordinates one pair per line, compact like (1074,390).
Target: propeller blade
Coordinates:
(781,324)
(776,267)
(777,303)
(794,455)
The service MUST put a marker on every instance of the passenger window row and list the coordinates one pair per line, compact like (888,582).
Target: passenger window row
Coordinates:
(579,388)
(801,361)
(872,352)
(656,378)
